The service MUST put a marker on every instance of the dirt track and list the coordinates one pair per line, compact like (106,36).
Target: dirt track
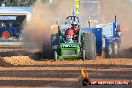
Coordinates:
(20,69)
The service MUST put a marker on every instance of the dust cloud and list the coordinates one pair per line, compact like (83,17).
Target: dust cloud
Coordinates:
(121,8)
(37,31)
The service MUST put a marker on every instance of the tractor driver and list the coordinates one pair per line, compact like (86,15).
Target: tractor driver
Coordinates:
(75,29)
(3,24)
(72,32)
(69,35)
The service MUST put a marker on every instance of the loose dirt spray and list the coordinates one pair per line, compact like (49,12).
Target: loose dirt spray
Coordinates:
(121,8)
(37,31)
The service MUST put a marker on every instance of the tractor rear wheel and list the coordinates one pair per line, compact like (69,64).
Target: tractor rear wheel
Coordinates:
(55,56)
(115,47)
(48,46)
(89,45)
(110,50)
(54,43)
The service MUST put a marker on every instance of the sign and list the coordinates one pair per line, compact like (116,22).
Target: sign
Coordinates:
(69,46)
(77,6)
(27,9)
(8,17)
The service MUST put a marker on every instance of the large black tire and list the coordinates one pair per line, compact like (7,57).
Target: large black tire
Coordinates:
(113,50)
(89,45)
(54,44)
(48,51)
(115,47)
(110,50)
(54,40)
(55,56)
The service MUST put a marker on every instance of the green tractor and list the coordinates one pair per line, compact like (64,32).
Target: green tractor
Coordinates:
(72,42)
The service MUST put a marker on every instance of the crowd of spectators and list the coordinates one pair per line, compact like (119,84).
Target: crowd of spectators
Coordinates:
(14,3)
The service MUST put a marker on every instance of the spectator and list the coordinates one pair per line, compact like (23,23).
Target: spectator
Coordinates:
(3,24)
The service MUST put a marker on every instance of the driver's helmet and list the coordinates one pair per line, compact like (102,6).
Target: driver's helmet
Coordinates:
(69,32)
(69,35)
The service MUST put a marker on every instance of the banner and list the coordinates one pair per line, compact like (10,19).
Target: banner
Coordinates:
(77,6)
(8,17)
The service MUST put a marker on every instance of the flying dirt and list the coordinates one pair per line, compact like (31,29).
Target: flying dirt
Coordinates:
(19,69)
(37,31)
